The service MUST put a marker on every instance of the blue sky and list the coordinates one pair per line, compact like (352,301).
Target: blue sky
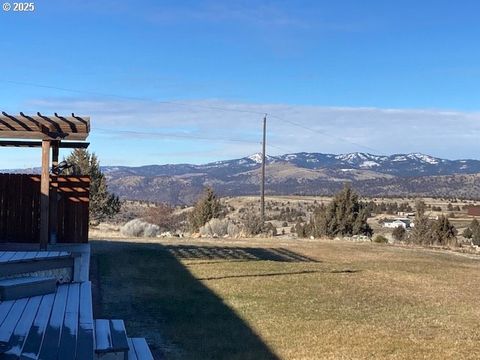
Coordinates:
(336,76)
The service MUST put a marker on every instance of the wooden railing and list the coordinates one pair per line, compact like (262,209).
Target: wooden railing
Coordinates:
(20,208)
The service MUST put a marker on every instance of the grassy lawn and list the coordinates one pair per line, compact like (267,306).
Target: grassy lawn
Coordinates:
(292,299)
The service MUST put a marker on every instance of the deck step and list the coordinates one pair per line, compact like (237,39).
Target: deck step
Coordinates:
(139,349)
(110,339)
(17,288)
(37,263)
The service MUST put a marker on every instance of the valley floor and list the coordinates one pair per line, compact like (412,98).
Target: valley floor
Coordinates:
(291,299)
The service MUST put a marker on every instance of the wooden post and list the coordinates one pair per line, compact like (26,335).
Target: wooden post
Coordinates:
(44,195)
(53,195)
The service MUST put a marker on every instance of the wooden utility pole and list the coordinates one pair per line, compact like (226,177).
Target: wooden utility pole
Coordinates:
(262,189)
(45,195)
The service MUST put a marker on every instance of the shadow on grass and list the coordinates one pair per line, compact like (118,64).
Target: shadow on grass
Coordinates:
(260,275)
(156,295)
(304,272)
(188,252)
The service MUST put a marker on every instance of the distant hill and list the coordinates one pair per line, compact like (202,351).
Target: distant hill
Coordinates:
(301,173)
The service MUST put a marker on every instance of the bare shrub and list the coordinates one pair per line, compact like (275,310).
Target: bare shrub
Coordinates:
(139,228)
(215,227)
(233,230)
(255,226)
(380,239)
(160,215)
(166,218)
(219,228)
(127,213)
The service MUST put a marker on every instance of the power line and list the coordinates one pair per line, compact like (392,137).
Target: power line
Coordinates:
(184,136)
(192,105)
(325,133)
(157,101)
(179,103)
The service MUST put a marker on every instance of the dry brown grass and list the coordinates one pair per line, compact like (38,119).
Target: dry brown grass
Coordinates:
(359,301)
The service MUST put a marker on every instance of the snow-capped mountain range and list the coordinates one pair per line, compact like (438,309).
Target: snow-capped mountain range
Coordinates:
(301,173)
(404,165)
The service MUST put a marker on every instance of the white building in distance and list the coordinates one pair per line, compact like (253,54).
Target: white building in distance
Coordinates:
(392,224)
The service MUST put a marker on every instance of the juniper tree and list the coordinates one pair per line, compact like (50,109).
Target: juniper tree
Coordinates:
(475,227)
(103,204)
(399,233)
(344,216)
(421,233)
(205,209)
(444,233)
(467,233)
(428,232)
(473,232)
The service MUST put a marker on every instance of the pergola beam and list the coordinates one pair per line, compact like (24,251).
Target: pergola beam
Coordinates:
(44,127)
(37,135)
(31,144)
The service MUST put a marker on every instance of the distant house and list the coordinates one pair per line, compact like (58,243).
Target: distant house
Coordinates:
(406,214)
(473,210)
(393,224)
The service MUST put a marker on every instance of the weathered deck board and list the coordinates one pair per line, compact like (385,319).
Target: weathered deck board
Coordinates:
(22,329)
(7,255)
(35,336)
(139,350)
(85,342)
(68,339)
(12,256)
(103,339)
(58,255)
(5,309)
(131,354)
(27,286)
(30,255)
(18,256)
(20,263)
(51,339)
(119,335)
(11,320)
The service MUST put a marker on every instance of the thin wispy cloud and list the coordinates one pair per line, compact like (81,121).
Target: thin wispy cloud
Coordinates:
(233,129)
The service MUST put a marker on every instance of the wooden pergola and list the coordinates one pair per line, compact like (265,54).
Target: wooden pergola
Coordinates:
(50,133)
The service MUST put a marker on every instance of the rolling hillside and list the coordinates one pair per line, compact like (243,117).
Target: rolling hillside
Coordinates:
(301,173)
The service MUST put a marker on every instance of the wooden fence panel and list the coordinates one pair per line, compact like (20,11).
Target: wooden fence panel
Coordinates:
(20,208)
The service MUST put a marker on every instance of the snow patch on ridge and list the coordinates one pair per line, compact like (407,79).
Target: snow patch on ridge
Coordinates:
(424,158)
(258,158)
(369,164)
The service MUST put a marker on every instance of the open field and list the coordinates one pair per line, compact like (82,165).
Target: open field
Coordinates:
(291,299)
